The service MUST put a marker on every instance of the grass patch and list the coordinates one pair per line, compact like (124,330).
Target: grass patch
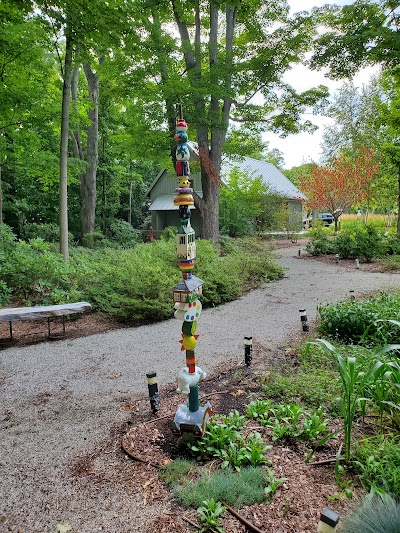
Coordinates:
(176,470)
(377,461)
(312,387)
(236,488)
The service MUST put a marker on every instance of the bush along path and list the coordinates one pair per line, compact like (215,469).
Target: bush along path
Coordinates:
(65,407)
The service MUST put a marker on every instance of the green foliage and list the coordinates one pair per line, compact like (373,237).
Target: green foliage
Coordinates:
(289,421)
(132,283)
(174,471)
(384,390)
(35,275)
(223,439)
(123,234)
(314,384)
(210,514)
(273,484)
(246,205)
(5,293)
(363,241)
(377,461)
(362,322)
(49,232)
(377,380)
(376,514)
(235,488)
(320,242)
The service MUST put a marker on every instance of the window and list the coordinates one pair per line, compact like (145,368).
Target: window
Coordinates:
(182,240)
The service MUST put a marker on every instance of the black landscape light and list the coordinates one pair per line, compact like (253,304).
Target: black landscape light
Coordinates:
(303,318)
(337,258)
(248,350)
(352,295)
(328,521)
(153,392)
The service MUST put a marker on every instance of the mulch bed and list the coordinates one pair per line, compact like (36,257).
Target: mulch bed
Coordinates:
(294,508)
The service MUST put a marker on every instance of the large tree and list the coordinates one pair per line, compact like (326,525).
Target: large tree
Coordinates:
(340,184)
(363,33)
(234,54)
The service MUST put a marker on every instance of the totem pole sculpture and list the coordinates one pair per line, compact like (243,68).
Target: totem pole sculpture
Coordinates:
(190,418)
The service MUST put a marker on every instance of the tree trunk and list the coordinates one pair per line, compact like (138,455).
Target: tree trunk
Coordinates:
(398,200)
(1,199)
(64,144)
(88,180)
(130,205)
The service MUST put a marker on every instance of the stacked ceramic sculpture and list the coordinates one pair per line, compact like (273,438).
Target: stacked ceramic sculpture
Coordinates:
(191,417)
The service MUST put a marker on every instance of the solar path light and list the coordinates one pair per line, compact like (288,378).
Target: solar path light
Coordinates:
(248,350)
(303,318)
(328,521)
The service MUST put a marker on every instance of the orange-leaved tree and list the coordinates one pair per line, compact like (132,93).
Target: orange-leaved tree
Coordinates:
(344,182)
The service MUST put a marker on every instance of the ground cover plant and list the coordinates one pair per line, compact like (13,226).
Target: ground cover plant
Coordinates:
(129,283)
(367,322)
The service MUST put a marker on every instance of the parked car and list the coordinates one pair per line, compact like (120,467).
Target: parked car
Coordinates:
(325,218)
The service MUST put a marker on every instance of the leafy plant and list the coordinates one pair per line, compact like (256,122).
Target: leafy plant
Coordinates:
(210,514)
(370,322)
(290,421)
(5,293)
(219,436)
(354,381)
(273,484)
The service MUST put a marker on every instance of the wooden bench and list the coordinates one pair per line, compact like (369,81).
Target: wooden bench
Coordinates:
(42,311)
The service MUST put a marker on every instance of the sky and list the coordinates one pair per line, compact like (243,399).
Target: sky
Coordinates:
(305,147)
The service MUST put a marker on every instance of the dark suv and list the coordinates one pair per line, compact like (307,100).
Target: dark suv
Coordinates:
(325,218)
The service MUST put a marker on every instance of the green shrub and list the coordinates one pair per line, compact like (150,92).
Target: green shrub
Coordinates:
(123,234)
(392,243)
(169,233)
(134,283)
(364,242)
(38,276)
(362,322)
(49,232)
(320,245)
(377,461)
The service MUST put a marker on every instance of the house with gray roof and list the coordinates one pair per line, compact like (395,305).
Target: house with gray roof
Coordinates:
(162,191)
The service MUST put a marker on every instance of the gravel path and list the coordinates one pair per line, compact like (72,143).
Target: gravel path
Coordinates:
(60,399)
